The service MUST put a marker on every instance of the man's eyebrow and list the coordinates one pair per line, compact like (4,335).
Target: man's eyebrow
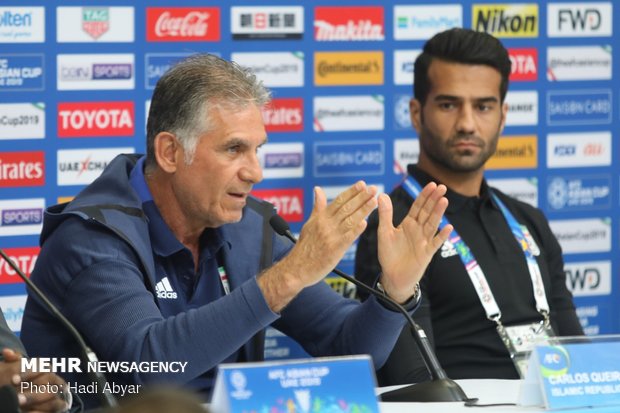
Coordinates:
(453,98)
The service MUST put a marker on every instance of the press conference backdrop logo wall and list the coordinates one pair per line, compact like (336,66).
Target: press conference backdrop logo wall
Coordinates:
(288,202)
(579,19)
(402,115)
(585,235)
(267,22)
(95,71)
(21,72)
(591,316)
(404,62)
(348,113)
(82,166)
(156,64)
(506,20)
(524,64)
(24,258)
(522,108)
(579,107)
(13,310)
(22,24)
(423,22)
(579,63)
(282,160)
(584,149)
(183,24)
(406,151)
(343,158)
(21,216)
(588,278)
(524,189)
(363,23)
(515,152)
(275,69)
(90,24)
(20,169)
(284,115)
(579,192)
(94,119)
(22,120)
(348,68)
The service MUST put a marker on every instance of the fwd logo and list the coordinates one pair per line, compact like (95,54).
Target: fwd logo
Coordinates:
(588,278)
(164,290)
(586,19)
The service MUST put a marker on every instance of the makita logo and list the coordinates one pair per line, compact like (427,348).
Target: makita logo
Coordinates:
(96,119)
(284,115)
(507,21)
(183,24)
(288,202)
(283,160)
(22,169)
(10,18)
(30,216)
(348,24)
(524,64)
(24,258)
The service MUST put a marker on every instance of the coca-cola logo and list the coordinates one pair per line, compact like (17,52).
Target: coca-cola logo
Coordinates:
(80,119)
(22,169)
(284,115)
(182,24)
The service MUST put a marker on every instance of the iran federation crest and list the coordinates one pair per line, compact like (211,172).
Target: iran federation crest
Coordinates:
(95,21)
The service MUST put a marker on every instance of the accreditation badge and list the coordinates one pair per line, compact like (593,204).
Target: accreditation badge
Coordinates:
(520,340)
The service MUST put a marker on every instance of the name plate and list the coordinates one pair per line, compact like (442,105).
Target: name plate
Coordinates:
(334,384)
(581,373)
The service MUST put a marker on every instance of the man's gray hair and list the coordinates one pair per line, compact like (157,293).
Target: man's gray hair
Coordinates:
(185,94)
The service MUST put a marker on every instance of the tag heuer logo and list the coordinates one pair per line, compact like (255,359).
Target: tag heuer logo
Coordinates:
(95,21)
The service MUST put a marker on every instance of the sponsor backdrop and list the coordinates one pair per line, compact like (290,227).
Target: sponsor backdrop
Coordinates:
(76,79)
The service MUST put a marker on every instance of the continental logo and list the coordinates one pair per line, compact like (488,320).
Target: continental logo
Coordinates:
(515,152)
(348,68)
(506,20)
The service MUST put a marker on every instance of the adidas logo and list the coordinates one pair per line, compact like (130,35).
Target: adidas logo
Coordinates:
(164,289)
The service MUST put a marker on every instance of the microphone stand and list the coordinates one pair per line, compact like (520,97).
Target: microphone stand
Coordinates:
(440,388)
(88,355)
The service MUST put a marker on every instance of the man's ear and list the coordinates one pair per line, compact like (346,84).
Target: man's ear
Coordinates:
(415,113)
(168,151)
(503,120)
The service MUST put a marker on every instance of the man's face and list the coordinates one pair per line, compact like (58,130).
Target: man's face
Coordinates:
(461,121)
(213,189)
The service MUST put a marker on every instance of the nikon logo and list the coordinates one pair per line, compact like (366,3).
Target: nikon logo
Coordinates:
(514,20)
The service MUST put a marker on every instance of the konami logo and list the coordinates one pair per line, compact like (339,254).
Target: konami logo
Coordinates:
(24,258)
(182,24)
(524,64)
(284,115)
(80,119)
(288,202)
(349,23)
(22,169)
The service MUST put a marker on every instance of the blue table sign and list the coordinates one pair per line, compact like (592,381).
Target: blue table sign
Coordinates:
(574,373)
(325,385)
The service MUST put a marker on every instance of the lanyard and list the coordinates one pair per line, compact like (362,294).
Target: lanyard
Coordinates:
(474,271)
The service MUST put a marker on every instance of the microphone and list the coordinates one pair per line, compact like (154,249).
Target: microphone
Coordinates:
(106,398)
(440,388)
